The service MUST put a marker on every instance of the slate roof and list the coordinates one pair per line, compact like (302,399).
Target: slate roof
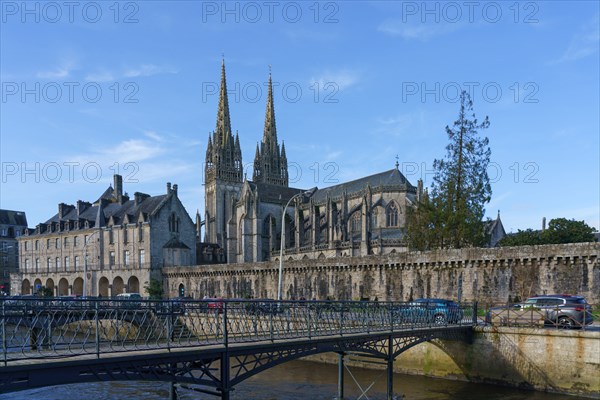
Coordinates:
(109,207)
(388,233)
(273,193)
(10,217)
(492,225)
(175,243)
(392,177)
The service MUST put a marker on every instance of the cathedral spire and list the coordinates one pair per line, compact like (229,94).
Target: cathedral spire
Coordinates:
(223,131)
(209,149)
(269,165)
(270,132)
(223,153)
(283,157)
(257,154)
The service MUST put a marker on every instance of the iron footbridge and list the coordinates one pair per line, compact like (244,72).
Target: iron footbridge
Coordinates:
(206,345)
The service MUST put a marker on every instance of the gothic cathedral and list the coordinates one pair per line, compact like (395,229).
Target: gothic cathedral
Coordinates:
(244,218)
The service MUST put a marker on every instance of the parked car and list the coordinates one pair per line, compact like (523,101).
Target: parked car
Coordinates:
(215,304)
(564,310)
(178,304)
(437,311)
(266,306)
(128,300)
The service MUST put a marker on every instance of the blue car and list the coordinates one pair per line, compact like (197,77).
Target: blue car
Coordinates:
(430,311)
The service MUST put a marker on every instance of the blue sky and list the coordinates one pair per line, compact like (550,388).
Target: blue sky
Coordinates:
(95,87)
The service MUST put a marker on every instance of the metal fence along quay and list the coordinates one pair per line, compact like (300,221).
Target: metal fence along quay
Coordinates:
(47,328)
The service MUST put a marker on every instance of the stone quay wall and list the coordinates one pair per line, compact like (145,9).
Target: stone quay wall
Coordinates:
(494,275)
(551,360)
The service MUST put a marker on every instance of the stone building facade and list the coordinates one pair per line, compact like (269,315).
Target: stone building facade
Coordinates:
(244,218)
(120,242)
(488,275)
(13,224)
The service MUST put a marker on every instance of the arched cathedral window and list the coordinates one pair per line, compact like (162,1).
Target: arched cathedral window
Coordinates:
(374,215)
(355,222)
(392,215)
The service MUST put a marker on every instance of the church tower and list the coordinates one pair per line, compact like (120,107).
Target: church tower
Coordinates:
(270,163)
(223,172)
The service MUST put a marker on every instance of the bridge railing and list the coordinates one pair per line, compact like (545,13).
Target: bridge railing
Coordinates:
(33,328)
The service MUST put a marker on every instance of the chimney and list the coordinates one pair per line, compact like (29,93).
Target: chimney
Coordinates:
(168,187)
(175,189)
(543,224)
(140,197)
(118,186)
(419,189)
(63,210)
(124,198)
(82,206)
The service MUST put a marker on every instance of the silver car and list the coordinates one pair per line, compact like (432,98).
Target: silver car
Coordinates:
(560,309)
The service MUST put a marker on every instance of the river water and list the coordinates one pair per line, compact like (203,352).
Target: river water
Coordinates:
(296,380)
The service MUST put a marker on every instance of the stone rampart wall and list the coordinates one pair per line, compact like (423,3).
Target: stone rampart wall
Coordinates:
(494,275)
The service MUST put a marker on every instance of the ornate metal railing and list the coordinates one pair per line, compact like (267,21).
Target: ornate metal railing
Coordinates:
(34,328)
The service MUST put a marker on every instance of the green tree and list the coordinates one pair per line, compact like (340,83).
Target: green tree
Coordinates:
(155,289)
(45,292)
(461,187)
(421,223)
(562,230)
(528,237)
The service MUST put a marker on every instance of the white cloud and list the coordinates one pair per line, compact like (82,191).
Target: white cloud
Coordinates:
(134,150)
(395,126)
(146,160)
(584,43)
(494,205)
(148,70)
(57,73)
(153,135)
(416,31)
(136,72)
(103,76)
(310,34)
(332,155)
(342,79)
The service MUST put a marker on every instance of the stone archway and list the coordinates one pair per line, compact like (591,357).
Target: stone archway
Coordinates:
(78,287)
(118,286)
(181,290)
(26,287)
(50,284)
(103,287)
(133,285)
(63,287)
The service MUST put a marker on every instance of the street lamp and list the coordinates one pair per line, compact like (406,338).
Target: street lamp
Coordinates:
(307,194)
(85,257)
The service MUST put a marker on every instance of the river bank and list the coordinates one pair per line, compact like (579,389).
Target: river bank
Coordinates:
(298,380)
